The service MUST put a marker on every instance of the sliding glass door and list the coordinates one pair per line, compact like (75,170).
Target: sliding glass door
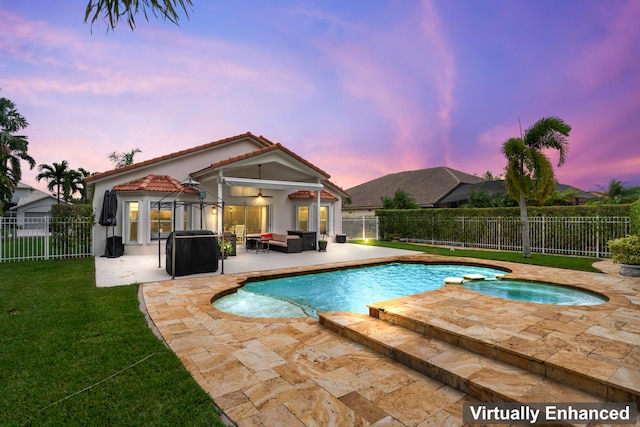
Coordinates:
(255,219)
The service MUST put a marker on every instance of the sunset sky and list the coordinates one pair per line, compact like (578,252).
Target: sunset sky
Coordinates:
(360,88)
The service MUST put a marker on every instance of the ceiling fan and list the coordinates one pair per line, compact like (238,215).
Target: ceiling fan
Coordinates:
(260,195)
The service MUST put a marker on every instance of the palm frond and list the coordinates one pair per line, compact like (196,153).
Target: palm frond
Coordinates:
(549,132)
(114,11)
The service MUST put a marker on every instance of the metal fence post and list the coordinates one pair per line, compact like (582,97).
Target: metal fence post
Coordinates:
(597,236)
(47,237)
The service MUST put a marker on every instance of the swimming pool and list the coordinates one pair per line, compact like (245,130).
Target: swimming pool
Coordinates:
(538,292)
(342,290)
(352,289)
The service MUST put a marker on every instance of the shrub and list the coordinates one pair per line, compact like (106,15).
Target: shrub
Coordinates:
(71,229)
(634,217)
(66,211)
(625,250)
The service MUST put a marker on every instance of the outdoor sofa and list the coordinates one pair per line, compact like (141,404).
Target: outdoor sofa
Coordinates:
(278,242)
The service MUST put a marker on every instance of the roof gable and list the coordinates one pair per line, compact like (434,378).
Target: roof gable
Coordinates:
(258,153)
(35,196)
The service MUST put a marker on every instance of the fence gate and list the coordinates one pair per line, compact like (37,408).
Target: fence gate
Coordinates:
(45,238)
(360,228)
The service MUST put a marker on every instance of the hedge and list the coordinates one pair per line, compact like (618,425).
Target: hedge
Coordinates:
(71,227)
(634,214)
(445,224)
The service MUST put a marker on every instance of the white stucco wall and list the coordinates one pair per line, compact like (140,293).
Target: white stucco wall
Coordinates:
(282,216)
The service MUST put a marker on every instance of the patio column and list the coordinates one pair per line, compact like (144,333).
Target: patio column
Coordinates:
(220,218)
(318,217)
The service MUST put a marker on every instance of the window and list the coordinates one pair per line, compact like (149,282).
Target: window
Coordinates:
(302,218)
(324,214)
(133,218)
(160,221)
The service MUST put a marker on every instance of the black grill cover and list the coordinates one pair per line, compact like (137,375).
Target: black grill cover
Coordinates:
(196,251)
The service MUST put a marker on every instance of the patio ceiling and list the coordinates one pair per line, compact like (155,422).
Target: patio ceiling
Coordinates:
(271,184)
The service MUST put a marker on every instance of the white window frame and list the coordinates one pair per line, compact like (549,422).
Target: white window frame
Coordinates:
(128,222)
(325,221)
(298,207)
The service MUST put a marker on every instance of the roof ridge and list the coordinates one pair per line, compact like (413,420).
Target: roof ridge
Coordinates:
(197,148)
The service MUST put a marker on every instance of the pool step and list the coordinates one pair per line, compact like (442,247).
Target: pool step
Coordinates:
(480,377)
(610,382)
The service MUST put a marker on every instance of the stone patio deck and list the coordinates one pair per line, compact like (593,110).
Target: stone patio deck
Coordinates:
(296,372)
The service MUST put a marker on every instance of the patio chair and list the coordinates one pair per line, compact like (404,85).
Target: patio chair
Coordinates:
(239,231)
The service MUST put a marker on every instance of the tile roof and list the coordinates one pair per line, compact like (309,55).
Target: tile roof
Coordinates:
(259,139)
(463,192)
(160,183)
(337,188)
(264,150)
(426,186)
(306,194)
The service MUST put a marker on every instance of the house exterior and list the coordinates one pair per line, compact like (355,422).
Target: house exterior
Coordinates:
(460,196)
(30,203)
(243,185)
(426,186)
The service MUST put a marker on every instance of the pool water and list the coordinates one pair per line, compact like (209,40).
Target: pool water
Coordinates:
(542,293)
(342,290)
(352,289)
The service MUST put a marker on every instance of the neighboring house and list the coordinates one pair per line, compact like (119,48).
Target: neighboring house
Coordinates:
(30,203)
(21,190)
(427,186)
(265,188)
(460,195)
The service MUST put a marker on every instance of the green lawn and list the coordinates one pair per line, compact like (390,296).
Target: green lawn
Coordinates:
(568,262)
(73,354)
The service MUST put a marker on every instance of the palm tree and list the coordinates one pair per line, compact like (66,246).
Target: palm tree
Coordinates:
(529,173)
(82,185)
(113,11)
(58,177)
(121,160)
(13,149)
(73,182)
(618,193)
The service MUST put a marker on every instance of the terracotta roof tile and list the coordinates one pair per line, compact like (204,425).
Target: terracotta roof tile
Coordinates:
(306,194)
(337,188)
(160,183)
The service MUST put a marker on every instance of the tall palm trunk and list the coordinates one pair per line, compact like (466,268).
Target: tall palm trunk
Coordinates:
(524,221)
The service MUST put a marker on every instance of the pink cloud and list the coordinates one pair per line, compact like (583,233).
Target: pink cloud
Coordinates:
(608,59)
(444,73)
(396,80)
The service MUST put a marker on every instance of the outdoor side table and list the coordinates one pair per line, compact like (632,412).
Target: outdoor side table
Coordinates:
(262,245)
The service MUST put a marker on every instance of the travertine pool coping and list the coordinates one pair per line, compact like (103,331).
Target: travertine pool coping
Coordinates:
(294,372)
